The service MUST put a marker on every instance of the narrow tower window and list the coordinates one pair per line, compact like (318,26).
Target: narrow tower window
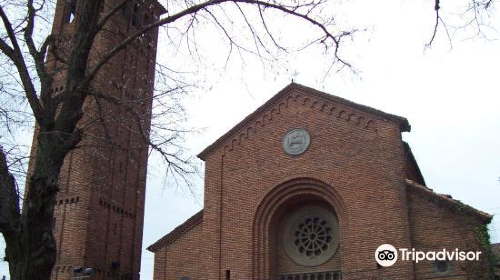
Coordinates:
(126,10)
(147,19)
(136,16)
(228,274)
(70,11)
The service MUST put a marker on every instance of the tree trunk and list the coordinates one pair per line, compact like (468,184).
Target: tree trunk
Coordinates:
(31,247)
(34,253)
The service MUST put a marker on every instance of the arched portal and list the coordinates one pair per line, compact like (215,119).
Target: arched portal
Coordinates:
(298,230)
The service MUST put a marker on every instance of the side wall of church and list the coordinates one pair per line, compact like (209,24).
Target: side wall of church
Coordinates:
(358,155)
(434,228)
(184,257)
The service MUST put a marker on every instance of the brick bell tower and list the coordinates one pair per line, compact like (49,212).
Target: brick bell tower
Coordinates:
(98,219)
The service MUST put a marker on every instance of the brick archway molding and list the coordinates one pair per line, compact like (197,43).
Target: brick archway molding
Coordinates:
(273,200)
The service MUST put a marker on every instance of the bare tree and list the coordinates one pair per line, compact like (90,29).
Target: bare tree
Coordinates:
(32,63)
(473,18)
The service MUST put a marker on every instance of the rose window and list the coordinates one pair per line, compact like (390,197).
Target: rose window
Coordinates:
(311,236)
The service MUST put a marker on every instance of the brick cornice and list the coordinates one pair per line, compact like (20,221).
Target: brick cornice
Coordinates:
(356,114)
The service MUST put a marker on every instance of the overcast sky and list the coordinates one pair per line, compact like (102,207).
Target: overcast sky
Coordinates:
(449,97)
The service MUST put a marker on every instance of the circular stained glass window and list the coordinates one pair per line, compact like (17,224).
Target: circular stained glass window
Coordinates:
(311,236)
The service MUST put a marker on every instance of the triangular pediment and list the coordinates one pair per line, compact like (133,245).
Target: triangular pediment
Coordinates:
(358,114)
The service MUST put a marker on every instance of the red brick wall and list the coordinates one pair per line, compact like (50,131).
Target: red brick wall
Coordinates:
(184,257)
(434,228)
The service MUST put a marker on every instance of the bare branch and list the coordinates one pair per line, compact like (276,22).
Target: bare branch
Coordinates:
(436,25)
(7,50)
(203,6)
(39,59)
(20,64)
(473,16)
(176,163)
(269,32)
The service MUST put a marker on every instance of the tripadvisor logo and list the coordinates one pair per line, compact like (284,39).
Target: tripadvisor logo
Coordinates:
(387,255)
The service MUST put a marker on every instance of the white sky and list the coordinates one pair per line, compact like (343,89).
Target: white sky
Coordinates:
(450,98)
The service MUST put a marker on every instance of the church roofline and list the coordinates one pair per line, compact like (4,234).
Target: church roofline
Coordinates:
(402,122)
(179,231)
(414,161)
(446,200)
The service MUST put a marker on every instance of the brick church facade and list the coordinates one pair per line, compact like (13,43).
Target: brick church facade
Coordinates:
(307,187)
(99,213)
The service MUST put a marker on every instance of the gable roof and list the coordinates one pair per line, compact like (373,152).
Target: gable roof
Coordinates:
(179,231)
(447,201)
(402,122)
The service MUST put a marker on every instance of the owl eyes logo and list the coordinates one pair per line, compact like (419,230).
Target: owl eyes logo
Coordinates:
(386,255)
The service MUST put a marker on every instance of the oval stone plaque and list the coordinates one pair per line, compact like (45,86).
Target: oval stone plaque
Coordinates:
(296,141)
